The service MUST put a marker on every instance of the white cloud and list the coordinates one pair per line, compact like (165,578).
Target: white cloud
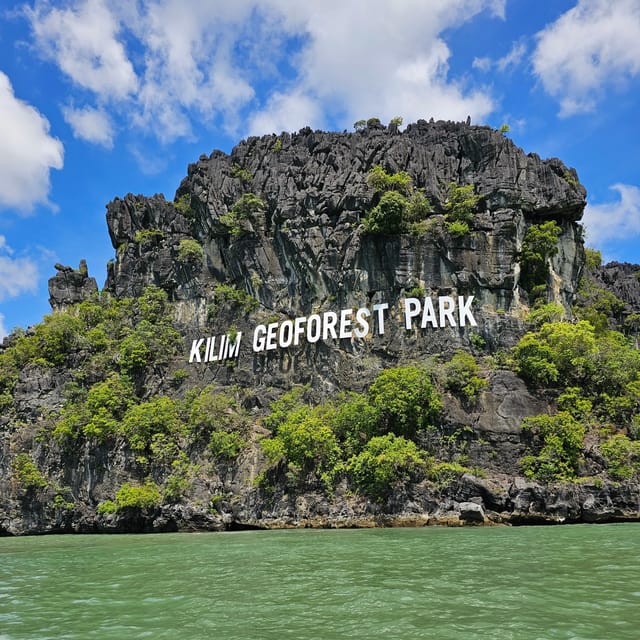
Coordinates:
(363,59)
(513,58)
(507,62)
(591,47)
(82,40)
(3,331)
(165,65)
(28,152)
(17,275)
(286,112)
(614,220)
(483,64)
(92,125)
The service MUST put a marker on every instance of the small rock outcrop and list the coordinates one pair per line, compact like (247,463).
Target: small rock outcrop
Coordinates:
(70,286)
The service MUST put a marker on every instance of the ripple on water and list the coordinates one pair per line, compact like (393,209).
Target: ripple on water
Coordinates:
(524,583)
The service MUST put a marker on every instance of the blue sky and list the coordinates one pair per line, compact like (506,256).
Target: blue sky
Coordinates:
(99,98)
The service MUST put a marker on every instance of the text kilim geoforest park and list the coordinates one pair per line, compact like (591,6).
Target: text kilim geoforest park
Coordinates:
(436,313)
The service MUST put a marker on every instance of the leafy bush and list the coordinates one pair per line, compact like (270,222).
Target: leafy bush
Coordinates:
(381,181)
(444,473)
(26,473)
(285,404)
(148,236)
(190,251)
(622,456)
(457,228)
(462,376)
(542,313)
(405,399)
(389,215)
(355,421)
(231,295)
(561,436)
(142,422)
(384,462)
(244,175)
(557,351)
(539,244)
(142,497)
(306,439)
(243,212)
(107,507)
(461,204)
(183,204)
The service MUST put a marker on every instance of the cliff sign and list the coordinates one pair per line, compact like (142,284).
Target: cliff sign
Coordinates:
(435,313)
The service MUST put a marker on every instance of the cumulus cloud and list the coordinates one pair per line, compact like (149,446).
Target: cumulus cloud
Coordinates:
(28,152)
(592,47)
(83,41)
(165,65)
(92,125)
(362,59)
(17,274)
(618,220)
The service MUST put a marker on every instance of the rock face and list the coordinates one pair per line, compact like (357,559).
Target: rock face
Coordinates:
(70,286)
(623,280)
(306,251)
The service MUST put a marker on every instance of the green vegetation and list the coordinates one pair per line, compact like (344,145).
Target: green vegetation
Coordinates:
(129,496)
(384,462)
(183,204)
(227,294)
(597,372)
(462,376)
(504,128)
(26,473)
(190,251)
(461,205)
(405,399)
(400,208)
(360,125)
(243,213)
(150,236)
(388,216)
(372,438)
(244,175)
(561,437)
(622,456)
(397,121)
(540,243)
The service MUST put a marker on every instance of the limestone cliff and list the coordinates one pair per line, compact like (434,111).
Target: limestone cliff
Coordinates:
(305,249)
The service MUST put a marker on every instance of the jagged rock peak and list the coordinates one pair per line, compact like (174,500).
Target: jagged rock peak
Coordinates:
(70,286)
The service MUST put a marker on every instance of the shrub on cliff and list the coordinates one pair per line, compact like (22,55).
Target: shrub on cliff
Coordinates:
(384,462)
(622,456)
(401,208)
(388,216)
(540,243)
(561,438)
(405,399)
(306,440)
(462,376)
(242,213)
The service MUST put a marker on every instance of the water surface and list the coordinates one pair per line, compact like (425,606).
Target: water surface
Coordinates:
(580,581)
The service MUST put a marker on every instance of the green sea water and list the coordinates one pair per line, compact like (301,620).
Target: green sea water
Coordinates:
(528,582)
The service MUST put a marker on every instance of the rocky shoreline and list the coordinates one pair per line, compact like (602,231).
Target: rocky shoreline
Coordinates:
(471,501)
